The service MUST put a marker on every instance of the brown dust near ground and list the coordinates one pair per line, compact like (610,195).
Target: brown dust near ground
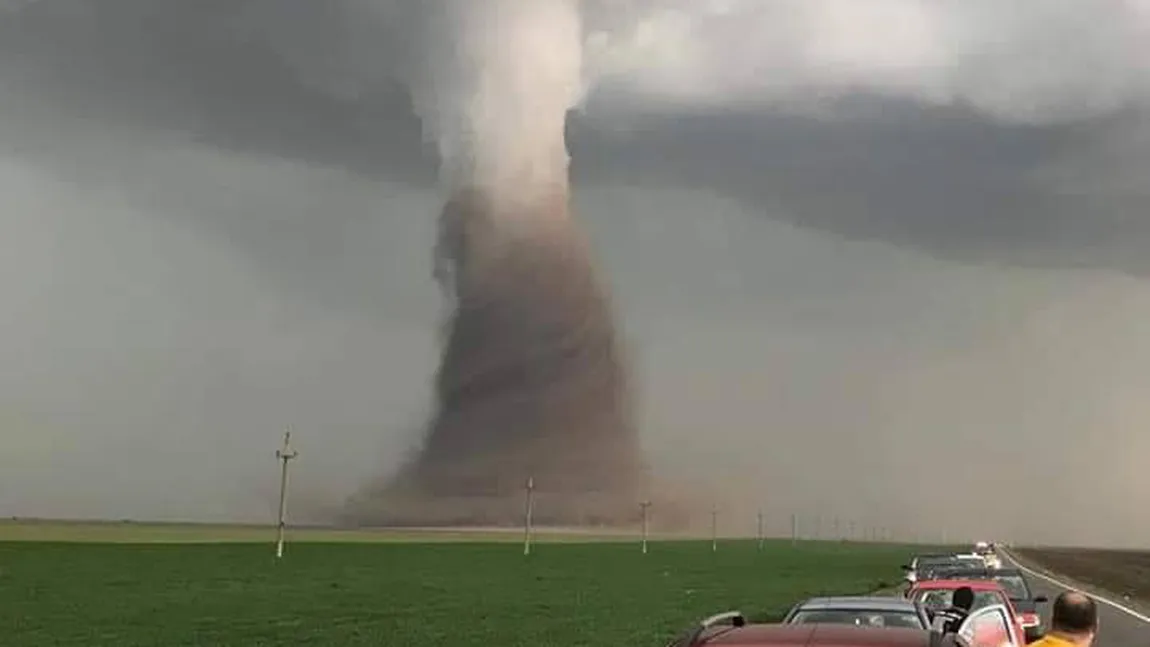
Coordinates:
(533,382)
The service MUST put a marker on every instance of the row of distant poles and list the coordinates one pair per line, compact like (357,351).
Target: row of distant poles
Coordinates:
(286,453)
(873,534)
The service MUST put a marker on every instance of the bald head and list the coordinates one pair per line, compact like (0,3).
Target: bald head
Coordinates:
(1074,613)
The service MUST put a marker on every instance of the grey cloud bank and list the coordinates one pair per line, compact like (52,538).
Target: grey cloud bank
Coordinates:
(204,243)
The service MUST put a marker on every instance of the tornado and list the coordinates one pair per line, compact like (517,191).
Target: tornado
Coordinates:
(533,383)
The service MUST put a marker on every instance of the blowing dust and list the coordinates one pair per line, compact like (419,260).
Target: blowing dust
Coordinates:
(533,381)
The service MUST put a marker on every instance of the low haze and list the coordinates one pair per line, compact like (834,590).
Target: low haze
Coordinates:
(886,263)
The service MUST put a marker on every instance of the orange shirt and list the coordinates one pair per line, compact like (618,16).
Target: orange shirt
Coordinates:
(1052,641)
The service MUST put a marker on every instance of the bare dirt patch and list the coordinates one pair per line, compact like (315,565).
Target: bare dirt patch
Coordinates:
(1122,572)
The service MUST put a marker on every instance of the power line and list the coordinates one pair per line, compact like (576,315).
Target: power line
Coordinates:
(528,512)
(284,454)
(643,507)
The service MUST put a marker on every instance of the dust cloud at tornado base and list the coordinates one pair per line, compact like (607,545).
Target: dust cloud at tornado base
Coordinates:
(533,383)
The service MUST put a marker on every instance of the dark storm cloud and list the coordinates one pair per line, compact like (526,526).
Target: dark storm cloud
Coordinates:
(942,180)
(219,216)
(952,180)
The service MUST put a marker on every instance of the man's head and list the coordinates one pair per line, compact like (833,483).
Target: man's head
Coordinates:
(1075,616)
(963,598)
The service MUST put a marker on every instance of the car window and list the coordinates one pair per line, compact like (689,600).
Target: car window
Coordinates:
(862,618)
(1015,586)
(942,598)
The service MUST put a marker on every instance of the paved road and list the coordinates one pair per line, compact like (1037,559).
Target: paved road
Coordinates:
(1116,627)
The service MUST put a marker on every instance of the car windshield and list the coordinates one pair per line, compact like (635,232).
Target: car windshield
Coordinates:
(934,562)
(1015,586)
(942,598)
(858,617)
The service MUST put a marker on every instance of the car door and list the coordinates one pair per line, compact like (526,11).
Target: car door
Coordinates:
(990,626)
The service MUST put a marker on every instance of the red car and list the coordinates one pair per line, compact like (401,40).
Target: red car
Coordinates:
(937,594)
(985,627)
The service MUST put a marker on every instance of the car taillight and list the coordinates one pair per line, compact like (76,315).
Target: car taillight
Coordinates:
(1030,619)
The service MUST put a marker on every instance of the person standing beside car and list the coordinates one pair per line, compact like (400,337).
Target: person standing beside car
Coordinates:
(1073,622)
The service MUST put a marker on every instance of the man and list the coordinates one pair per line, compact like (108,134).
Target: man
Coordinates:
(961,602)
(1073,622)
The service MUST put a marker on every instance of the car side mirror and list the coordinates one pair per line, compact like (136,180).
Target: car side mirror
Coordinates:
(1040,599)
(906,567)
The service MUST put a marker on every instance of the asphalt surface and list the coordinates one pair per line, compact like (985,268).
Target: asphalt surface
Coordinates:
(1116,628)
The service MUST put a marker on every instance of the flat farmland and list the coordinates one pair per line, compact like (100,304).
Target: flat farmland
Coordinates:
(1124,572)
(409,593)
(186,533)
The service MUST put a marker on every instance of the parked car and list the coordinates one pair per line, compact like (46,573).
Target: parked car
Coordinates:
(936,595)
(986,627)
(1022,597)
(1017,588)
(922,564)
(862,611)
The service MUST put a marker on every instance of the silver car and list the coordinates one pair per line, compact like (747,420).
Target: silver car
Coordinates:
(864,611)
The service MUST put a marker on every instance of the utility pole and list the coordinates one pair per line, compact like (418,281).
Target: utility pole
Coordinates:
(530,509)
(794,529)
(643,507)
(284,454)
(714,528)
(760,531)
(838,533)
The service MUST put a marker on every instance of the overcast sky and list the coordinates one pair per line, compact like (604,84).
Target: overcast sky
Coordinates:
(880,260)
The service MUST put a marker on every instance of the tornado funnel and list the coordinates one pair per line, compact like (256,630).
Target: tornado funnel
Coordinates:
(532,383)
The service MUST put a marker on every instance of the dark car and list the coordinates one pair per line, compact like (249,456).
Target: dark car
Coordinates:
(922,564)
(868,611)
(1015,584)
(986,627)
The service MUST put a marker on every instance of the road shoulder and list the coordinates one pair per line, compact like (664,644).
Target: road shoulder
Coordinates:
(1134,608)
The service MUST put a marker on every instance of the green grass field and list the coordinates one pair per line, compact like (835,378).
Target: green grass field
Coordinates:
(408,594)
(189,533)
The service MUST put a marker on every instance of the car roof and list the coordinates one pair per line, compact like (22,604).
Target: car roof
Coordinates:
(876,603)
(815,635)
(977,585)
(964,569)
(977,572)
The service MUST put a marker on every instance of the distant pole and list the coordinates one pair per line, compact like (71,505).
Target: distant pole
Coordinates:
(643,506)
(284,454)
(852,535)
(714,529)
(529,510)
(760,531)
(838,533)
(794,529)
(818,526)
